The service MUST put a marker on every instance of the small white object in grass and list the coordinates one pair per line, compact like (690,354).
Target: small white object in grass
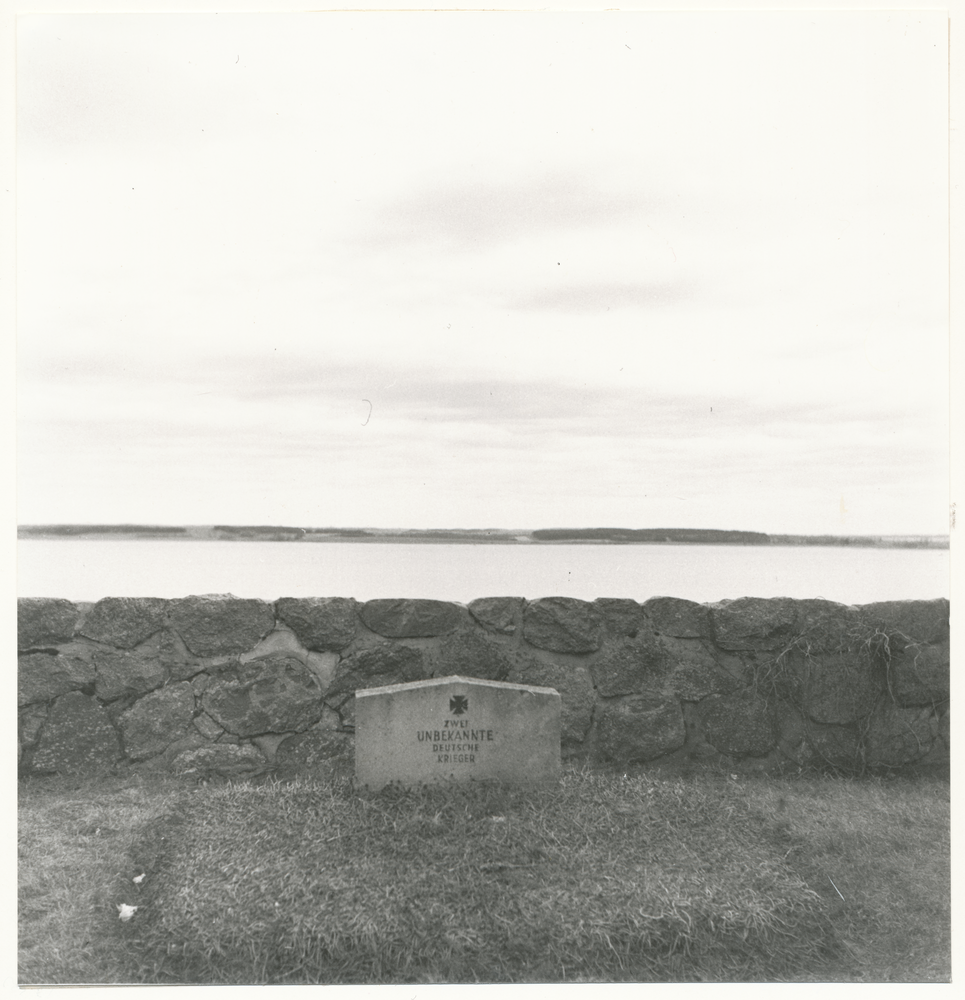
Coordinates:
(125,912)
(498,819)
(139,879)
(836,889)
(733,777)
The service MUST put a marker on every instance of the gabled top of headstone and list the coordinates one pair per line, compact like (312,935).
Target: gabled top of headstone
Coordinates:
(456,729)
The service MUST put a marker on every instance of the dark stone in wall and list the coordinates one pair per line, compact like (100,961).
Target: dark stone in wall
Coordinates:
(620,615)
(563,625)
(754,623)
(920,674)
(318,753)
(77,738)
(402,618)
(122,673)
(215,625)
(898,736)
(224,760)
(45,676)
(157,720)
(473,655)
(173,655)
(320,623)
(738,726)
(640,729)
(834,687)
(826,626)
(125,621)
(575,689)
(690,670)
(500,614)
(45,621)
(679,618)
(629,666)
(920,621)
(660,666)
(29,723)
(205,725)
(837,747)
(376,666)
(276,695)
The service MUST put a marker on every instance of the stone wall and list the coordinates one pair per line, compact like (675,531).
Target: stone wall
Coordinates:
(221,685)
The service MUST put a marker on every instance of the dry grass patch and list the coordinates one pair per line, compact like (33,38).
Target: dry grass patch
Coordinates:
(607,878)
(74,845)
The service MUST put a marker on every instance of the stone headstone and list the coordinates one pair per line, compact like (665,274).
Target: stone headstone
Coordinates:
(456,729)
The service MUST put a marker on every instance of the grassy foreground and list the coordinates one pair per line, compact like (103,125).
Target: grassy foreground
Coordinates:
(607,878)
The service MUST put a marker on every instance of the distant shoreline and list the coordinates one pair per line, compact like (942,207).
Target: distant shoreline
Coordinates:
(456,536)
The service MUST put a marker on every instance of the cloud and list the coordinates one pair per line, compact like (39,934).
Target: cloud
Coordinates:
(285,394)
(603,297)
(480,216)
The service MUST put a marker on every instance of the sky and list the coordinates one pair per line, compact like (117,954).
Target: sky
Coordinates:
(480,270)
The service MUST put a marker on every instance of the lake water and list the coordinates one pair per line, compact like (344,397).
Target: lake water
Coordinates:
(87,570)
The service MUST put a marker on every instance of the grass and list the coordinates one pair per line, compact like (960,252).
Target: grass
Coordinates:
(608,878)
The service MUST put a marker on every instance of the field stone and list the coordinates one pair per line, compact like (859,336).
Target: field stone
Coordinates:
(897,735)
(77,738)
(207,727)
(375,666)
(29,722)
(679,618)
(498,614)
(157,720)
(410,618)
(278,694)
(316,752)
(575,689)
(470,654)
(792,734)
(320,623)
(173,655)
(226,760)
(920,675)
(690,670)
(639,728)
(813,745)
(920,621)
(563,625)
(45,621)
(835,688)
(220,624)
(628,666)
(835,746)
(754,623)
(737,725)
(621,615)
(124,621)
(826,626)
(126,673)
(45,676)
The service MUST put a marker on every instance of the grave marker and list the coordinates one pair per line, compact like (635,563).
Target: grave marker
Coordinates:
(456,729)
